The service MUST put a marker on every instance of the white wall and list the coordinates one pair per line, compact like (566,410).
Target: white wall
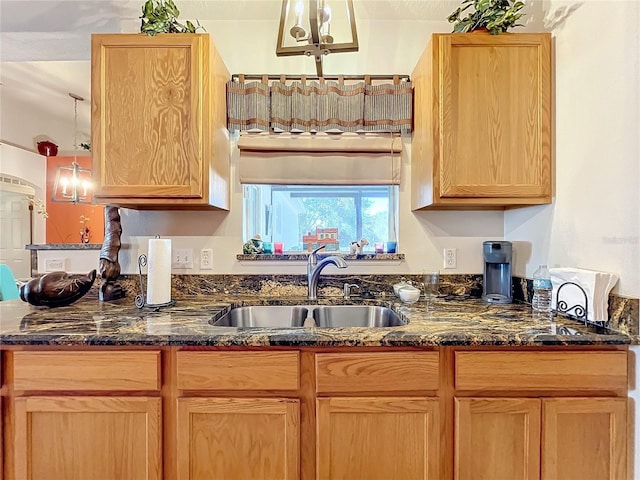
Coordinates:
(593,221)
(422,236)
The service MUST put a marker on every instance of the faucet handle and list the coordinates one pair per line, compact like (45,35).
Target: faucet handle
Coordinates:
(347,289)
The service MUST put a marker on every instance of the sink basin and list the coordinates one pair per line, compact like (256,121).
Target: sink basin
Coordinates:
(264,316)
(355,316)
(326,316)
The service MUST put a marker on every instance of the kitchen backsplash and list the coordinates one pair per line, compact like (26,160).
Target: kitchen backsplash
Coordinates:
(296,285)
(623,311)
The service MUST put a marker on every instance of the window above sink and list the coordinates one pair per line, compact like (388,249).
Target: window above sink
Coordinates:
(303,217)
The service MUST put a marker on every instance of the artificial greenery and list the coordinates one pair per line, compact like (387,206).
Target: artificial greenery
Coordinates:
(161,16)
(497,16)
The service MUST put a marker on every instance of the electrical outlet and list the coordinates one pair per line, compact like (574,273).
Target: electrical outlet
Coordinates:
(206,259)
(450,258)
(54,264)
(182,258)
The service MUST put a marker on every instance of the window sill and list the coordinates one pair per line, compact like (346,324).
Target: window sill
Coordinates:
(304,256)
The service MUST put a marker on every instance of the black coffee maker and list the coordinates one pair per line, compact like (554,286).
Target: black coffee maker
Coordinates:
(496,280)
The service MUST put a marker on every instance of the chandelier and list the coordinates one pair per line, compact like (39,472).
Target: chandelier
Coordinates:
(73,183)
(316,28)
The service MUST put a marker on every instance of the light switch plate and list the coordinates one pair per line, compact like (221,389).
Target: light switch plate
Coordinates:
(182,258)
(55,265)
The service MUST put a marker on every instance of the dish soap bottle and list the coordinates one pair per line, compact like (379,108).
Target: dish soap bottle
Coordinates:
(542,290)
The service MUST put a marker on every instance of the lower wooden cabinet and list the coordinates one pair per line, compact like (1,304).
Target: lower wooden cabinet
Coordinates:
(584,438)
(497,439)
(451,413)
(80,438)
(377,438)
(238,439)
(547,439)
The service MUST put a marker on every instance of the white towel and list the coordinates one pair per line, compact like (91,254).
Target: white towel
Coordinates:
(595,284)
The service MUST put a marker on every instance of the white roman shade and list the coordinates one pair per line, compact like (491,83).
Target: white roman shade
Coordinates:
(320,159)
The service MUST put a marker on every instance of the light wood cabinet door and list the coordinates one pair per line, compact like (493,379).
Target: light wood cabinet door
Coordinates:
(377,438)
(482,121)
(238,439)
(159,133)
(497,439)
(584,438)
(80,438)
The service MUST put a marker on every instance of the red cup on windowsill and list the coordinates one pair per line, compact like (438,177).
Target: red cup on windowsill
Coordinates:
(277,248)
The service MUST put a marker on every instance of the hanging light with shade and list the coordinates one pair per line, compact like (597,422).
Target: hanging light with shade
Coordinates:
(316,28)
(73,183)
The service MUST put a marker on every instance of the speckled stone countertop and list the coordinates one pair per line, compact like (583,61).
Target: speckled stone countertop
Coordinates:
(449,320)
(64,246)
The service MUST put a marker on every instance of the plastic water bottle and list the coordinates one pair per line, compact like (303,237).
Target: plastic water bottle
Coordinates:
(542,290)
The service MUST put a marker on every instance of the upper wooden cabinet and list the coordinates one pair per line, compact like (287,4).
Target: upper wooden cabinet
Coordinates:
(482,121)
(158,112)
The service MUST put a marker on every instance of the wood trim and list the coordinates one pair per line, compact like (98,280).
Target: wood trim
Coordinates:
(237,370)
(307,416)
(447,415)
(169,413)
(540,370)
(383,372)
(88,371)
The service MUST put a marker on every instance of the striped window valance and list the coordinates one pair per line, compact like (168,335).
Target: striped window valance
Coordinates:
(319,106)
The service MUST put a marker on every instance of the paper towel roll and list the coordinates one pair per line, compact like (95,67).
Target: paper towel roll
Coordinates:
(159,271)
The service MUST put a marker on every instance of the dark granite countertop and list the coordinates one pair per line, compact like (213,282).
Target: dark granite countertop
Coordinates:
(449,320)
(64,246)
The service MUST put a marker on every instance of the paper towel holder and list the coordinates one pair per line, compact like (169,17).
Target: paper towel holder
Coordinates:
(140,300)
(578,311)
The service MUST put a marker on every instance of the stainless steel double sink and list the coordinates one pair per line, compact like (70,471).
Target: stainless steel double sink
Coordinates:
(321,316)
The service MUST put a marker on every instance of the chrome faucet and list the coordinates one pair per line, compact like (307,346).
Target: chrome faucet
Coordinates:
(314,268)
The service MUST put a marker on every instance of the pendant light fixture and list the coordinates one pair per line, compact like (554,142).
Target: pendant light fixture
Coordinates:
(73,183)
(316,28)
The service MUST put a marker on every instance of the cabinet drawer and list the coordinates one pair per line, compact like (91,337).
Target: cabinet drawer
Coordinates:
(376,372)
(541,370)
(95,371)
(238,370)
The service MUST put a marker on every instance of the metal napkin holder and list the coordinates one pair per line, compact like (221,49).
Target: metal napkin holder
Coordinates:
(141,300)
(579,311)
